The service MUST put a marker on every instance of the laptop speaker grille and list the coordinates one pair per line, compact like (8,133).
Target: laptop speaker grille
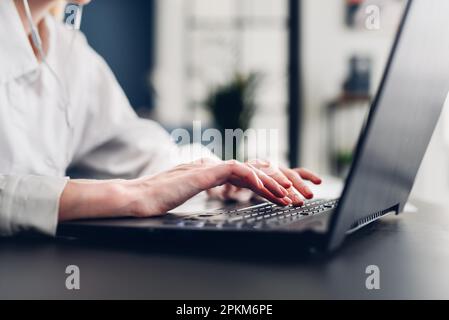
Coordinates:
(366,220)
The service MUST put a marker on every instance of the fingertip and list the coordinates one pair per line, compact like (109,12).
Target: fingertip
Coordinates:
(316,180)
(282,201)
(299,203)
(287,185)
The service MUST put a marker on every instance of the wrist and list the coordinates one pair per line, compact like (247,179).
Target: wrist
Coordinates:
(141,197)
(117,198)
(83,199)
(127,196)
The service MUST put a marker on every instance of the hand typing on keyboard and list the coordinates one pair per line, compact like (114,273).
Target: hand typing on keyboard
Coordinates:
(155,195)
(291,179)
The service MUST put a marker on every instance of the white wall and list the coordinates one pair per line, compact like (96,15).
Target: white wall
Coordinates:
(170,65)
(432,183)
(327,46)
(191,61)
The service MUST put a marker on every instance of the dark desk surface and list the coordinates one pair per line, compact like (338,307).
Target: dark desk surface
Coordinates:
(411,250)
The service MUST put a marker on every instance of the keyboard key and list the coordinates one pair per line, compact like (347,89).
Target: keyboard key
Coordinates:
(238,218)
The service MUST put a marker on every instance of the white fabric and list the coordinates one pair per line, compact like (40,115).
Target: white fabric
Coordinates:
(37,145)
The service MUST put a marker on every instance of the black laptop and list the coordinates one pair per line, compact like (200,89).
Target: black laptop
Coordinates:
(391,147)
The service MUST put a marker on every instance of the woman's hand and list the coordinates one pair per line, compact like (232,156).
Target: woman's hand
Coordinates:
(298,190)
(150,196)
(291,179)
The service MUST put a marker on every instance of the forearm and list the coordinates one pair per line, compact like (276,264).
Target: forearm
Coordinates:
(84,199)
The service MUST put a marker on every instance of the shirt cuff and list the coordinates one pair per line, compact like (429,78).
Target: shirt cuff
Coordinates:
(30,203)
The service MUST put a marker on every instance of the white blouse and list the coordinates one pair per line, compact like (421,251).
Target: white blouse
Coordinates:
(41,136)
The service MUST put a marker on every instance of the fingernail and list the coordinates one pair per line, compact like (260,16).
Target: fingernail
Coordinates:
(306,192)
(298,201)
(288,200)
(283,191)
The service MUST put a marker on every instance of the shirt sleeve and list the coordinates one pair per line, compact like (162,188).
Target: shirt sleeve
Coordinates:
(29,203)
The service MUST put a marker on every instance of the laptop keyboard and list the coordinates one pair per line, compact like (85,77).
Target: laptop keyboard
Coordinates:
(258,216)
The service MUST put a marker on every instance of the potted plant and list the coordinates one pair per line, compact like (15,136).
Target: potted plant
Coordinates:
(232,106)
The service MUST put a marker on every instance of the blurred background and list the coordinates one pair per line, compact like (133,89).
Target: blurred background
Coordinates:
(306,68)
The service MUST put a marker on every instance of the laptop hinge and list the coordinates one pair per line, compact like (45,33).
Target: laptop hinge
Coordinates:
(372,217)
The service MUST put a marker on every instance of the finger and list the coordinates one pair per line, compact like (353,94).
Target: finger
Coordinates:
(216,193)
(229,190)
(262,192)
(295,197)
(259,198)
(271,171)
(265,193)
(269,182)
(298,183)
(240,194)
(270,189)
(278,176)
(210,176)
(243,176)
(246,175)
(308,175)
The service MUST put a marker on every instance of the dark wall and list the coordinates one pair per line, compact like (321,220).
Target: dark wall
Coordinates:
(123,33)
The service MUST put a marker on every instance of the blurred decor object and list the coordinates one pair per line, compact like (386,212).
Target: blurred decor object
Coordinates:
(232,106)
(347,113)
(352,7)
(358,81)
(346,117)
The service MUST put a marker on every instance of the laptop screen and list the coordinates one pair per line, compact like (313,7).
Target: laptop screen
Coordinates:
(401,120)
